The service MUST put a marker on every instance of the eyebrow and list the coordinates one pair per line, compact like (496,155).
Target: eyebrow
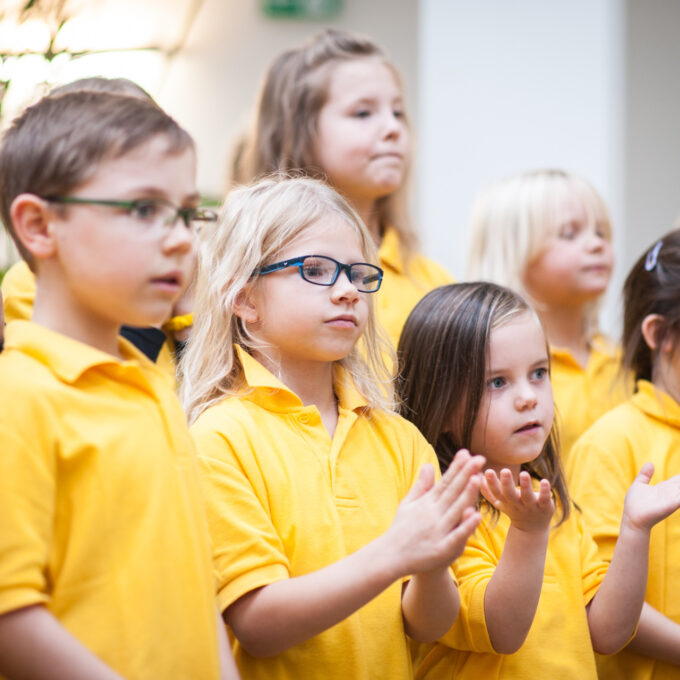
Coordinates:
(156,192)
(502,370)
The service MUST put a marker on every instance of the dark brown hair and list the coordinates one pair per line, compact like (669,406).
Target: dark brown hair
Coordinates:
(57,144)
(284,131)
(443,354)
(651,287)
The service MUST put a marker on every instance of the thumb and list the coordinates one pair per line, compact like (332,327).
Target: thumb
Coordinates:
(645,474)
(423,484)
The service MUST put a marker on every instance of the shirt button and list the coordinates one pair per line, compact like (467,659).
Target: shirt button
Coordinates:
(304,418)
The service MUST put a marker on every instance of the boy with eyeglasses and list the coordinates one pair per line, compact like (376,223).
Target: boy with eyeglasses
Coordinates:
(162,345)
(105,567)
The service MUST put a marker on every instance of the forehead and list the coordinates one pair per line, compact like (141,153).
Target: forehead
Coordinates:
(152,164)
(573,201)
(363,77)
(329,235)
(520,341)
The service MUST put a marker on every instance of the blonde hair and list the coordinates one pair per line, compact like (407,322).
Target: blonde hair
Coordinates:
(284,131)
(513,219)
(256,223)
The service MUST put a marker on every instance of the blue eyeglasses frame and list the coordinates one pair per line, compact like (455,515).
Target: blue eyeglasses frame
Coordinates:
(339,267)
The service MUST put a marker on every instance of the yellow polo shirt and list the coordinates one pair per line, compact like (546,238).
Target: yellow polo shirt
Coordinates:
(285,499)
(603,464)
(403,286)
(102,520)
(18,292)
(582,395)
(558,645)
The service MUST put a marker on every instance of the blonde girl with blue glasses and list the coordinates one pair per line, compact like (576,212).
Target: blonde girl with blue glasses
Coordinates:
(332,537)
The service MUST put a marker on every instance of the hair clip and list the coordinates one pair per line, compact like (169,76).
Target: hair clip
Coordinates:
(653,256)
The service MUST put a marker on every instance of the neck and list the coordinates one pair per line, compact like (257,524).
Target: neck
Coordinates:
(665,377)
(369,214)
(53,308)
(565,327)
(311,381)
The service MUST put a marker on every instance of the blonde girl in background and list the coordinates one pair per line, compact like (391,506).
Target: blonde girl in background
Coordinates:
(321,500)
(547,234)
(646,427)
(334,109)
(535,597)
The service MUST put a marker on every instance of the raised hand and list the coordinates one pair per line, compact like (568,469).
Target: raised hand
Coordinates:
(434,521)
(645,505)
(527,509)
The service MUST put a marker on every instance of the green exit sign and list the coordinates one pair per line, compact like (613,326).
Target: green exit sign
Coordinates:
(302,9)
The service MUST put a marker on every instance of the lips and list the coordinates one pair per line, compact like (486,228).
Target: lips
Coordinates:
(529,427)
(344,320)
(173,279)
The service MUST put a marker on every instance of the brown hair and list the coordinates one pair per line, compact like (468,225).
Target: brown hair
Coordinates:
(443,352)
(284,132)
(101,84)
(57,144)
(651,287)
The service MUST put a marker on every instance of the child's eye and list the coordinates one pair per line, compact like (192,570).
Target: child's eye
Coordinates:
(145,210)
(496,383)
(362,113)
(399,113)
(568,231)
(601,231)
(540,373)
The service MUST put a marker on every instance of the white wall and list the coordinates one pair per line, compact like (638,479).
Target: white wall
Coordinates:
(512,85)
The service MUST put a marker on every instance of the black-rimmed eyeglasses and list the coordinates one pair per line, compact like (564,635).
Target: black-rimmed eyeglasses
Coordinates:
(324,271)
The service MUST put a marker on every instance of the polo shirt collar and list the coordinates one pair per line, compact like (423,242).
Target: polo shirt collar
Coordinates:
(64,356)
(271,393)
(656,403)
(600,350)
(389,252)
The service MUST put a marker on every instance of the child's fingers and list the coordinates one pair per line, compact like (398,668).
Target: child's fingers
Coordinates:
(455,479)
(646,473)
(423,484)
(464,504)
(508,485)
(544,494)
(526,491)
(491,487)
(458,536)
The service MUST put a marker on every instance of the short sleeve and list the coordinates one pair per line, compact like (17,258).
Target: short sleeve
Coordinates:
(598,482)
(248,553)
(27,502)
(593,567)
(473,571)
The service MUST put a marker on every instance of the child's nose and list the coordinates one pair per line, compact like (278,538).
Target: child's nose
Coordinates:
(392,126)
(343,290)
(178,237)
(526,397)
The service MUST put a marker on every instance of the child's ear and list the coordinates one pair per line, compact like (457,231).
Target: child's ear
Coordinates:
(650,327)
(245,307)
(30,216)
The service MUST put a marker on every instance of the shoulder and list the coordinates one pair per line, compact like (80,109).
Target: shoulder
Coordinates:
(19,280)
(619,424)
(229,426)
(428,271)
